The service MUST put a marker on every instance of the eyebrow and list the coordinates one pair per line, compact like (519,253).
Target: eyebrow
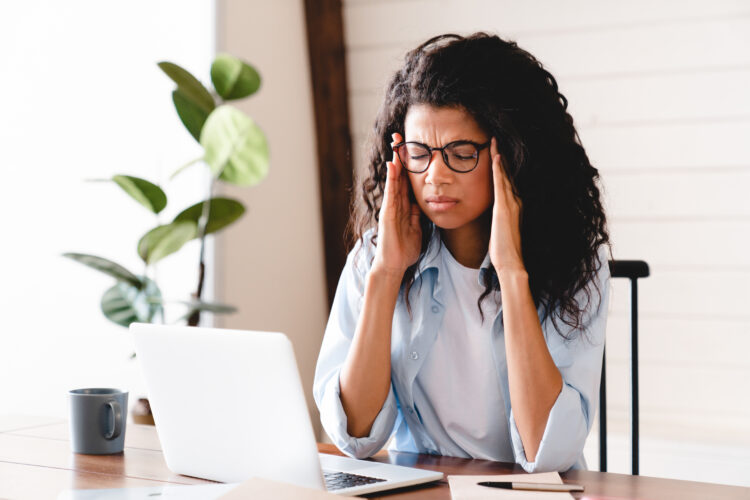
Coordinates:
(449,142)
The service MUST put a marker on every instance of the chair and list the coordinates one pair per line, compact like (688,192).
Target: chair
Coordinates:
(631,269)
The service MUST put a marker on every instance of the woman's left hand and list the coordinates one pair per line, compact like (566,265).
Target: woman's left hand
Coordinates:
(505,235)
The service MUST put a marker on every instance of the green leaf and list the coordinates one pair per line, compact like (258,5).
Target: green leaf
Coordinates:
(222,212)
(236,148)
(206,307)
(165,240)
(191,115)
(233,78)
(124,304)
(147,194)
(213,307)
(107,267)
(189,86)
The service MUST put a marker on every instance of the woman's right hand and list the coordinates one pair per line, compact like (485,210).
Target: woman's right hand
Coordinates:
(399,233)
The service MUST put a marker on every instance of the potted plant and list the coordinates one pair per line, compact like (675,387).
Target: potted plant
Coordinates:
(235,151)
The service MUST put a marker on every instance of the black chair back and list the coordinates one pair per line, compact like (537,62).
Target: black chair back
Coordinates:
(631,269)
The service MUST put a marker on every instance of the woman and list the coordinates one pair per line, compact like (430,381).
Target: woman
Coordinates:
(469,319)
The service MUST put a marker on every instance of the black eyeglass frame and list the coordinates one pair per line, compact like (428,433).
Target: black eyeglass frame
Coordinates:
(479,148)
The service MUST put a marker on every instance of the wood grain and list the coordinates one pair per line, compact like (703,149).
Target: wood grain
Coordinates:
(330,95)
(36,482)
(136,436)
(42,465)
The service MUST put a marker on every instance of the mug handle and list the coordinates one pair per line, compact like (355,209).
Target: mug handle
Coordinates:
(116,420)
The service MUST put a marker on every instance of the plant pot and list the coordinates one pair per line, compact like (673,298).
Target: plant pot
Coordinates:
(141,412)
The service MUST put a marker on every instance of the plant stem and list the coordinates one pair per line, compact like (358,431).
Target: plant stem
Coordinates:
(195,317)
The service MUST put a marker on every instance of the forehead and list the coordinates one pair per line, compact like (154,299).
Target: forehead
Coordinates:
(426,123)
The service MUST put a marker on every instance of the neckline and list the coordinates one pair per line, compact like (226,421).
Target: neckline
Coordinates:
(452,260)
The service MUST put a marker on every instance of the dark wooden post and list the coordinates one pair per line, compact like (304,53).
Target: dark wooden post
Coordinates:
(325,39)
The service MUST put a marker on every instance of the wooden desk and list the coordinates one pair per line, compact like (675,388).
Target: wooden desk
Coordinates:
(36,462)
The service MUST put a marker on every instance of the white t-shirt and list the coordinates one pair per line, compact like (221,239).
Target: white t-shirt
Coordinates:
(459,378)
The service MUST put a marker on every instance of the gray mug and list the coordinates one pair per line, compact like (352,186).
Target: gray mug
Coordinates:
(97,420)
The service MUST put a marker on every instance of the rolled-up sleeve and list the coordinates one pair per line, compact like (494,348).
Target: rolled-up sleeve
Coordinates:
(580,362)
(339,333)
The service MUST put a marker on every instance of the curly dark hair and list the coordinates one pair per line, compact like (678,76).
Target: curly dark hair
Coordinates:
(513,98)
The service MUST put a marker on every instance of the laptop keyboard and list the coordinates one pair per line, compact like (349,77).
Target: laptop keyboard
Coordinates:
(340,480)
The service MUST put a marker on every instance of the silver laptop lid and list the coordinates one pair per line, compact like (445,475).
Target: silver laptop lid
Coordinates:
(228,404)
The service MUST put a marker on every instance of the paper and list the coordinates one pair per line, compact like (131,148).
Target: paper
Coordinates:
(165,491)
(265,488)
(466,487)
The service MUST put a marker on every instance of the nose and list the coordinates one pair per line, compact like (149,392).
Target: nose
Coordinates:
(437,171)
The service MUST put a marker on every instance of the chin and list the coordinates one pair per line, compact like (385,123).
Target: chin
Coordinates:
(444,221)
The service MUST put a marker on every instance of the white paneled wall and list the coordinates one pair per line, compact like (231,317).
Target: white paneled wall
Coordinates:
(660,93)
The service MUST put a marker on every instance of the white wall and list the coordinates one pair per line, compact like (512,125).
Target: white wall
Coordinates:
(270,263)
(83,98)
(660,92)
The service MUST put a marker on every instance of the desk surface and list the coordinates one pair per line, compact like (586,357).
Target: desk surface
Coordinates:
(36,462)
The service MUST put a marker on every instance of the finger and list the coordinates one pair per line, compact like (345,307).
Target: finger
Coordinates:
(403,179)
(394,173)
(404,189)
(396,158)
(507,185)
(498,173)
(387,194)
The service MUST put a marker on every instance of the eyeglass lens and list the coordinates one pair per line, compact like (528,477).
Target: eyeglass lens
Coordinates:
(461,156)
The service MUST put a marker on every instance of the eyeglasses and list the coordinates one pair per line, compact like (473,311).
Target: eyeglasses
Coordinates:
(460,156)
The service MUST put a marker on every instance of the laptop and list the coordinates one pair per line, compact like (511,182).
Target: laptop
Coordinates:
(229,405)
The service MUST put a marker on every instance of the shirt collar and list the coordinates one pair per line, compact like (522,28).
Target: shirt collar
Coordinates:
(431,258)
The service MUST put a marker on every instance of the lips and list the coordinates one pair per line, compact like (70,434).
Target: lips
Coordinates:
(441,203)
(440,199)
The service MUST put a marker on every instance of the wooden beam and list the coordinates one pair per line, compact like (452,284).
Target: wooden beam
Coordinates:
(325,40)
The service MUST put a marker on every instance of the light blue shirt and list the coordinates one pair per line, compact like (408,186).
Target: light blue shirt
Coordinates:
(403,414)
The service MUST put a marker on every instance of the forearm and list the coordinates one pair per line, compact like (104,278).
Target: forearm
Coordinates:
(534,380)
(366,374)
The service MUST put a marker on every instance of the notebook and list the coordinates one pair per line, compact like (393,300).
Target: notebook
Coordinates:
(466,487)
(229,405)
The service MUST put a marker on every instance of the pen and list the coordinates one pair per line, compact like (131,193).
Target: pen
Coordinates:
(531,486)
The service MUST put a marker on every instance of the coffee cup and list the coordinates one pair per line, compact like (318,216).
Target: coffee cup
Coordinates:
(97,420)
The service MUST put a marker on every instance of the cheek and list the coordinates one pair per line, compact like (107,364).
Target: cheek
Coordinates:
(416,182)
(482,193)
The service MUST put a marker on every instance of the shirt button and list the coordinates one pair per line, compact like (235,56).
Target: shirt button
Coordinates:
(414,355)
(411,410)
(435,309)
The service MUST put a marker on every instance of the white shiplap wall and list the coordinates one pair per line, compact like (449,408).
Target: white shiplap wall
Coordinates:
(660,92)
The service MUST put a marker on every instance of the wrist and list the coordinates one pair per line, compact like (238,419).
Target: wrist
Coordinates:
(512,275)
(386,275)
